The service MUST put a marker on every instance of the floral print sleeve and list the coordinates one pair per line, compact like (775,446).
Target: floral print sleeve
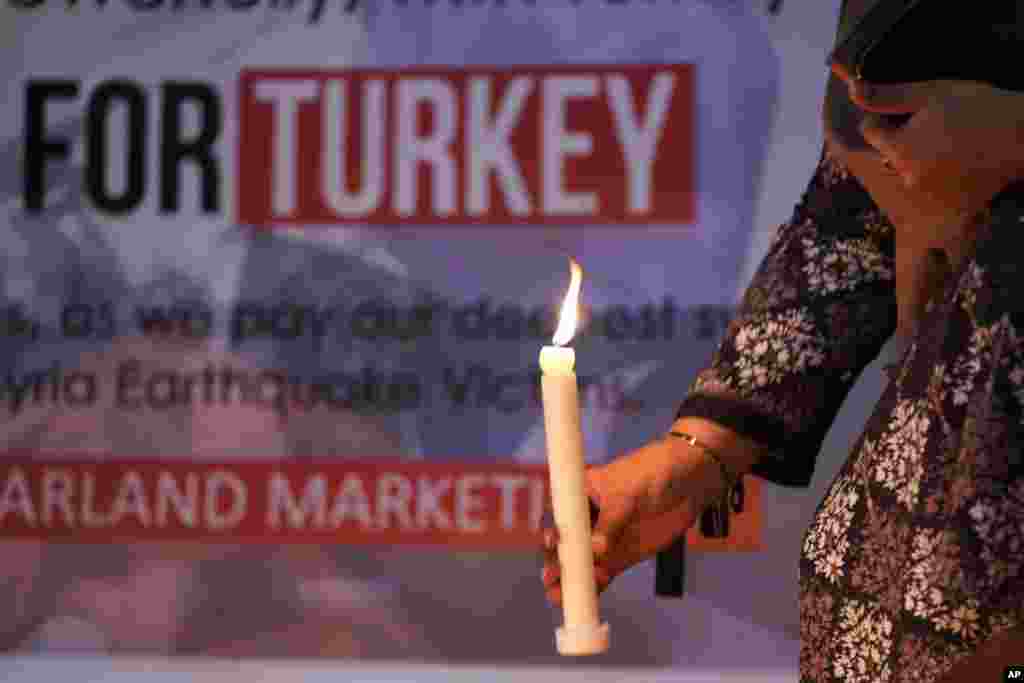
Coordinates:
(916,555)
(819,309)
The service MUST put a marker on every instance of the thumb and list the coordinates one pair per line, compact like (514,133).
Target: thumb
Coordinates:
(608,524)
(893,98)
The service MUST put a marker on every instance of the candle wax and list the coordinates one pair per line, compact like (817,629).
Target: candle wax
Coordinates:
(582,633)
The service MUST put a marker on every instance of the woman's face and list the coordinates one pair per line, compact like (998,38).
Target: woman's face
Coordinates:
(928,221)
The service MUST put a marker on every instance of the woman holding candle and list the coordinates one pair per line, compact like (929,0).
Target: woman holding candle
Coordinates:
(913,569)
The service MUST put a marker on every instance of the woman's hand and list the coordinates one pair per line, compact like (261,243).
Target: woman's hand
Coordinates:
(962,144)
(649,497)
(630,527)
(640,541)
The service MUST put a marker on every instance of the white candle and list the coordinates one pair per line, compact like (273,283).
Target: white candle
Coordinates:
(582,632)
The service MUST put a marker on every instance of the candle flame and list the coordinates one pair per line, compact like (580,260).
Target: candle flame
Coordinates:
(569,314)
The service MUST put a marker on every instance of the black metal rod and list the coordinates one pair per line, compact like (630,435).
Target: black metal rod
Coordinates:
(670,570)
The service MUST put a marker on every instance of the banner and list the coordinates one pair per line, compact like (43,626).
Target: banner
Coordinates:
(275,279)
(486,507)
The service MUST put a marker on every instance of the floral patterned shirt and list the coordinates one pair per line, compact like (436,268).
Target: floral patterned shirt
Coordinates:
(916,554)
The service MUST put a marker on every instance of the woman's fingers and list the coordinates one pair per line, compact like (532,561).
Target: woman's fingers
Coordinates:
(551,575)
(549,545)
(601,546)
(553,585)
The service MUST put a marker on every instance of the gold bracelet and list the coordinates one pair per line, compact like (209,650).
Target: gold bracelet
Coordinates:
(727,476)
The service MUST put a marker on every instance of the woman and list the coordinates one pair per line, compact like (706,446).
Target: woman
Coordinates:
(913,569)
